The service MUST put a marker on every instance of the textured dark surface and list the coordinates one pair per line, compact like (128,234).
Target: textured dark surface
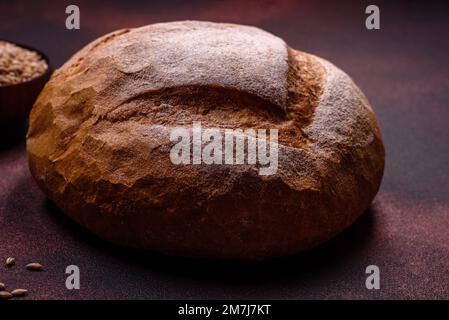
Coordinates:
(402,69)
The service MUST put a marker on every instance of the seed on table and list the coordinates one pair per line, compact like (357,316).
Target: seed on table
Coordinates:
(10,262)
(2,286)
(35,266)
(5,295)
(19,292)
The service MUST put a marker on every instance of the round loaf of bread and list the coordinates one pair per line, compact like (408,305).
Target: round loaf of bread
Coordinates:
(99,142)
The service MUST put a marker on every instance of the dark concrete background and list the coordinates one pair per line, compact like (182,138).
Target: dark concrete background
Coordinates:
(403,70)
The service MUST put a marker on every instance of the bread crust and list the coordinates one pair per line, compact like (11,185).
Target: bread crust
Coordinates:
(98,145)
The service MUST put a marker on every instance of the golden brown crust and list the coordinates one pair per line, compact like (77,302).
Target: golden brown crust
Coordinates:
(102,155)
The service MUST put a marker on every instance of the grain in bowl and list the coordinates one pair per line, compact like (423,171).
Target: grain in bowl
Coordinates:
(19,65)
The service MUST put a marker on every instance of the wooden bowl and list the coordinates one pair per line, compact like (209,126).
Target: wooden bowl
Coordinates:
(16,100)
